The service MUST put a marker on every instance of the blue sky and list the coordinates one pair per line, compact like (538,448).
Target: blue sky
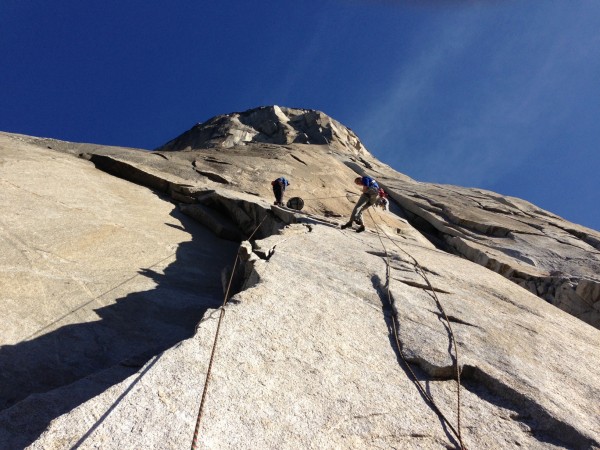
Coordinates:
(502,95)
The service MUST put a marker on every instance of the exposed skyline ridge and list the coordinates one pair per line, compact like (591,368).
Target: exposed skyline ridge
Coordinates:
(269,124)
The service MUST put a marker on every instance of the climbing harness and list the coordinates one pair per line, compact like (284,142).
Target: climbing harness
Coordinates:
(395,320)
(214,346)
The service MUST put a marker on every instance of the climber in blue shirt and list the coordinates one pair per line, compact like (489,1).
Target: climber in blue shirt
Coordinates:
(279,186)
(370,192)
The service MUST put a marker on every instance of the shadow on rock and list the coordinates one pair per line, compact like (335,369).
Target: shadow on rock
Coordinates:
(130,331)
(413,372)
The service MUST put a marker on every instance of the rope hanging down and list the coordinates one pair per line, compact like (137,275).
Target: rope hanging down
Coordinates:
(420,387)
(456,431)
(214,346)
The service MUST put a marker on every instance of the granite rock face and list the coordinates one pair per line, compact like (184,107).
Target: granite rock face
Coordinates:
(551,257)
(96,272)
(555,259)
(305,360)
(111,284)
(269,124)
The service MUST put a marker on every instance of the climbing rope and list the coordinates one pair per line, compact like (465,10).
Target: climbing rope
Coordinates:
(456,431)
(214,346)
(349,194)
(337,196)
(422,390)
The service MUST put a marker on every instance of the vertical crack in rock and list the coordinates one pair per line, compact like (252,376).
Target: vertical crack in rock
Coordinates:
(247,274)
(405,356)
(543,425)
(445,372)
(155,310)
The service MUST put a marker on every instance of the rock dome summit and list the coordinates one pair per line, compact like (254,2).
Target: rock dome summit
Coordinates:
(114,264)
(268,125)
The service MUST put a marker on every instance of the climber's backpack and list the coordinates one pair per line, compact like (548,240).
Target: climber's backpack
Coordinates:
(369,182)
(281,180)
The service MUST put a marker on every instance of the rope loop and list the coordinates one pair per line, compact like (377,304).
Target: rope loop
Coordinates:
(419,269)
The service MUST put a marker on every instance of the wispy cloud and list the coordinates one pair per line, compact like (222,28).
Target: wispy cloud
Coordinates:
(471,124)
(298,61)
(386,124)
